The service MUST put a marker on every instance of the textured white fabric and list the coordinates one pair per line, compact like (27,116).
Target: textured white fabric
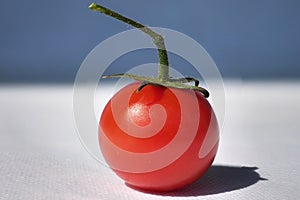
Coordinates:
(41,156)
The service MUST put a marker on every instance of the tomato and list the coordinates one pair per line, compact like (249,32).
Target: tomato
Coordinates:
(159,138)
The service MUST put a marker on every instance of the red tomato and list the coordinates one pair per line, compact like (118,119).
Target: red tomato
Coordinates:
(160,138)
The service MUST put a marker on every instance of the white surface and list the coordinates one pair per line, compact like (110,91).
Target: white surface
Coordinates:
(41,156)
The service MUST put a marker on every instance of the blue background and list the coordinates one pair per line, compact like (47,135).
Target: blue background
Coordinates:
(46,41)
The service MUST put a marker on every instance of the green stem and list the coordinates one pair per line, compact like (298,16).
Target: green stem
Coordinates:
(163,78)
(158,40)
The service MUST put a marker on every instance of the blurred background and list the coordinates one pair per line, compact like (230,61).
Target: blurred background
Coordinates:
(46,41)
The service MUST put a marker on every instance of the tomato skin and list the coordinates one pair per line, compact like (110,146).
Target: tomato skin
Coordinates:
(136,111)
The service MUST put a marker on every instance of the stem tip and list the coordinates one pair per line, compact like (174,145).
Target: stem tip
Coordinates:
(93,6)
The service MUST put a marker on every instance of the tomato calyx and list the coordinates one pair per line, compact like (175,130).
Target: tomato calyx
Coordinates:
(171,82)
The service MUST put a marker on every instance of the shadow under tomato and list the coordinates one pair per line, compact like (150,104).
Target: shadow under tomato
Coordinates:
(218,179)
